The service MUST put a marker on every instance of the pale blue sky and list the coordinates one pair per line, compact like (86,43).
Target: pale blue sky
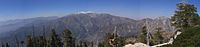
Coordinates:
(135,9)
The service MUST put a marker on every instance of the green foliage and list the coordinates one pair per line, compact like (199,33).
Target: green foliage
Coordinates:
(7,45)
(101,45)
(35,41)
(83,44)
(42,42)
(120,41)
(106,41)
(143,35)
(55,40)
(157,38)
(188,20)
(68,40)
(185,15)
(29,41)
(189,38)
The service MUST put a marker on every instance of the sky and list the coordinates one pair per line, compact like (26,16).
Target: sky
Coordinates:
(135,9)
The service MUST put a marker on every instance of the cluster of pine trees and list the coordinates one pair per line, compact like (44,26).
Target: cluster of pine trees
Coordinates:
(66,39)
(186,20)
(4,45)
(153,38)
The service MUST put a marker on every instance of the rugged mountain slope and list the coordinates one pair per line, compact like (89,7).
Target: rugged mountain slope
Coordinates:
(84,26)
(95,25)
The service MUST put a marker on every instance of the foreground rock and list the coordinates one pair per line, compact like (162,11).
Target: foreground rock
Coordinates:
(137,45)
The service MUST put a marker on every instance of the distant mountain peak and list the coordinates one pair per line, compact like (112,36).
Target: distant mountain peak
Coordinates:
(89,13)
(85,12)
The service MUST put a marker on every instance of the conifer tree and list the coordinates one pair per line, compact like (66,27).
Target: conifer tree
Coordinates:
(7,45)
(185,19)
(157,38)
(106,42)
(185,15)
(92,44)
(29,42)
(17,41)
(100,45)
(2,45)
(143,35)
(85,44)
(68,39)
(22,43)
(42,41)
(55,40)
(43,38)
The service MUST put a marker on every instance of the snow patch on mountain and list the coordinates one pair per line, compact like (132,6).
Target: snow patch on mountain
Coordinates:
(86,12)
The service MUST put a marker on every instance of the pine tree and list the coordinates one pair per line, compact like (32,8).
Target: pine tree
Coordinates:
(17,41)
(157,38)
(29,42)
(42,41)
(185,19)
(43,38)
(185,15)
(55,40)
(2,44)
(107,41)
(143,35)
(22,43)
(92,44)
(101,45)
(85,44)
(7,45)
(68,39)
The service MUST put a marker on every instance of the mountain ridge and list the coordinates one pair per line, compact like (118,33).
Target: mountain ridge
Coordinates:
(89,26)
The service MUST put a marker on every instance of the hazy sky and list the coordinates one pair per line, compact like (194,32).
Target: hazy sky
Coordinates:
(135,9)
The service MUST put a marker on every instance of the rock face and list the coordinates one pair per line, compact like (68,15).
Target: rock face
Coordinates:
(84,26)
(136,45)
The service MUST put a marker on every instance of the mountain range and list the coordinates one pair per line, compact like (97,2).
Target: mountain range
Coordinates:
(90,27)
